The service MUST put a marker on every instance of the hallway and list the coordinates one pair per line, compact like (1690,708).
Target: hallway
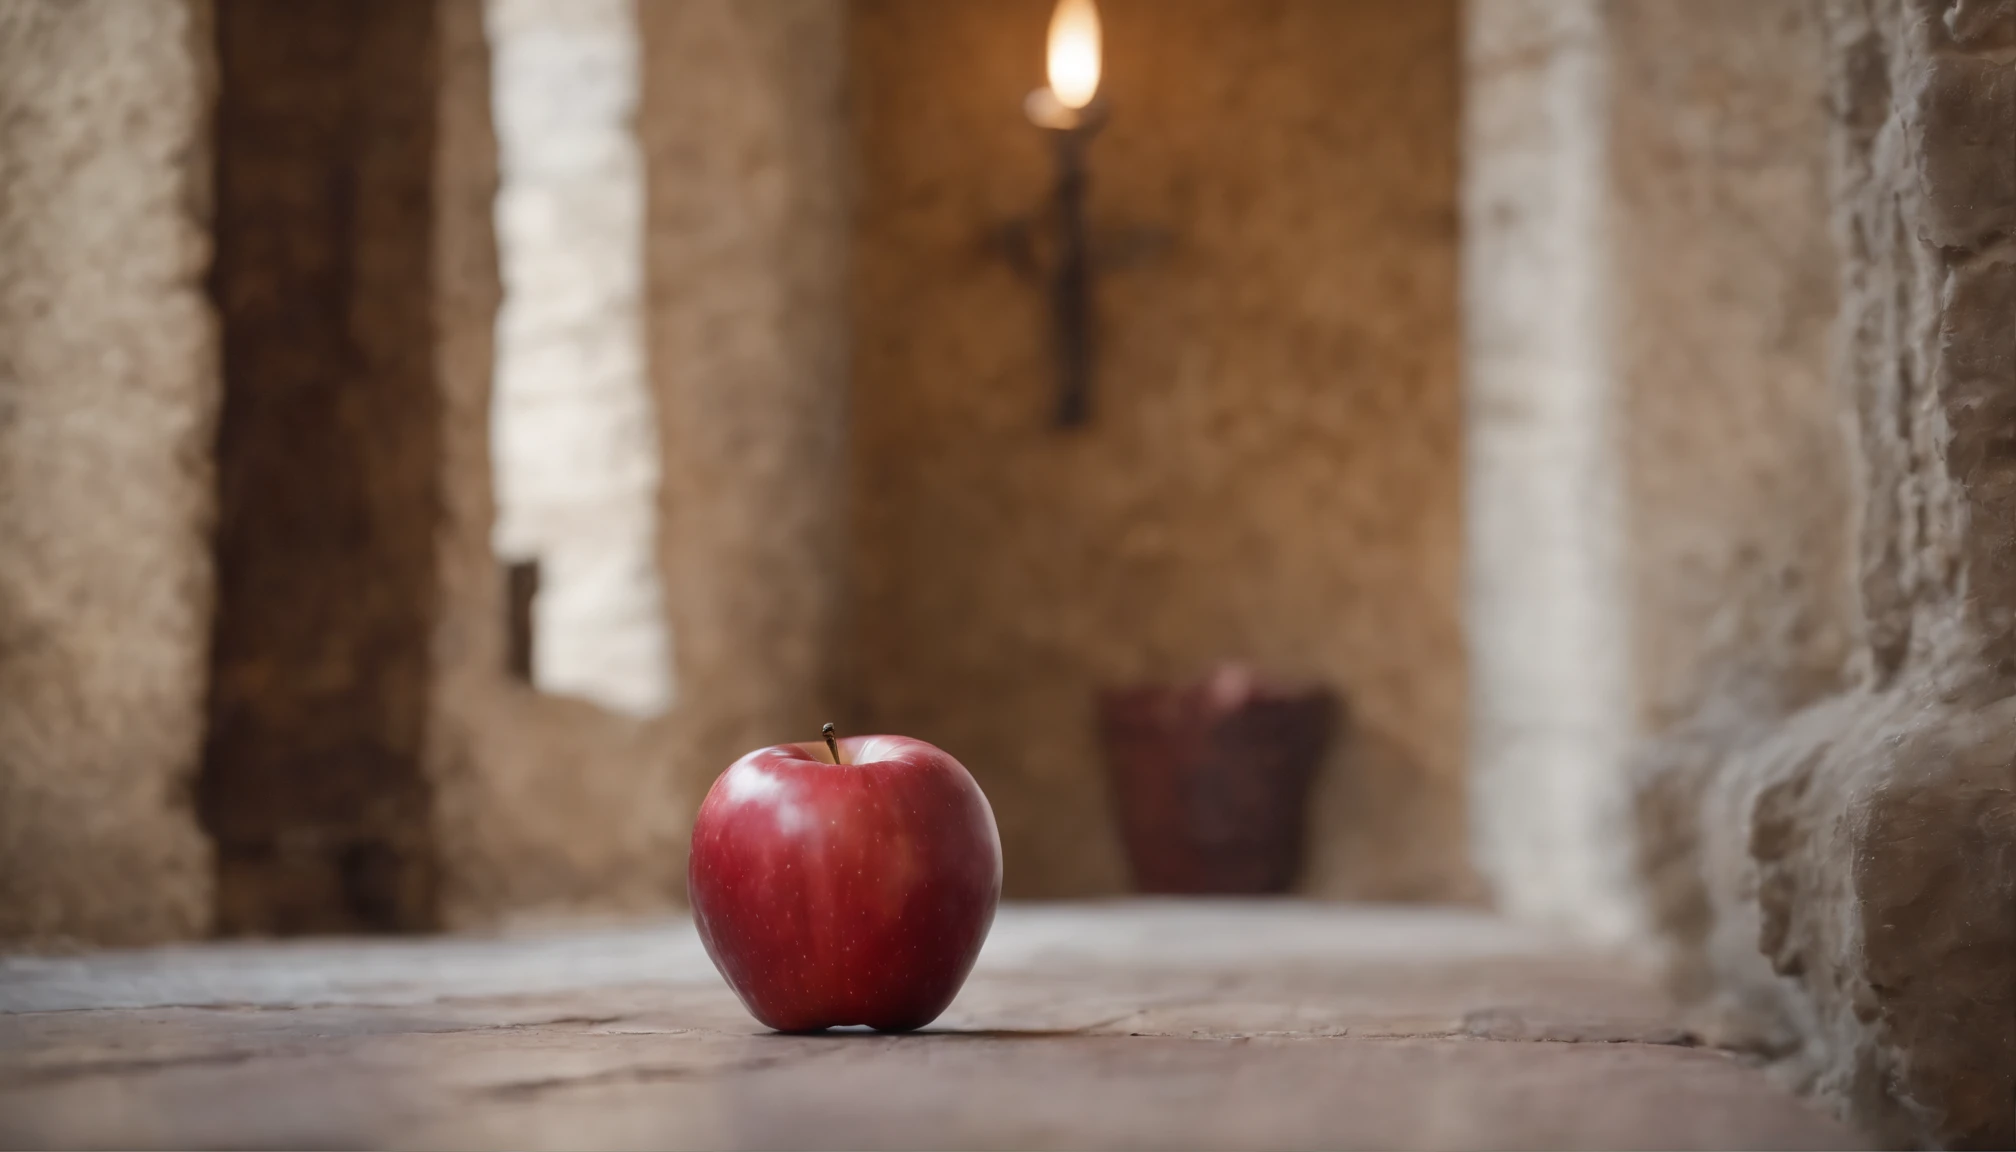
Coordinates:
(1393,459)
(1141,1024)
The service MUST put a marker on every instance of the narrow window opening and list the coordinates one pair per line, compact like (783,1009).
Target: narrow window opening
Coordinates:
(573,435)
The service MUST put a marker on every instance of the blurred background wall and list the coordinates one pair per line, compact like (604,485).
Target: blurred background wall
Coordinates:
(863,511)
(1271,471)
(1474,362)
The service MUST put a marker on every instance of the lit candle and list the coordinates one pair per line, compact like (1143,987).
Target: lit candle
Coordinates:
(1068,107)
(1068,102)
(1074,52)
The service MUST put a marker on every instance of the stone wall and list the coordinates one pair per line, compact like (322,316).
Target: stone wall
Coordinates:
(1271,467)
(1656,478)
(1769,566)
(1840,879)
(108,397)
(1734,471)
(1736,566)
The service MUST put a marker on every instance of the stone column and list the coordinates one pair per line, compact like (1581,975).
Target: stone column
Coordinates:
(108,396)
(1550,693)
(745,136)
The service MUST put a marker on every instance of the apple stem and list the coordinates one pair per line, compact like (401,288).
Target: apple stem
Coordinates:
(826,730)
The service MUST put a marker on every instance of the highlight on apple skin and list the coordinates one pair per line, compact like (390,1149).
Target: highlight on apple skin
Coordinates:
(845,882)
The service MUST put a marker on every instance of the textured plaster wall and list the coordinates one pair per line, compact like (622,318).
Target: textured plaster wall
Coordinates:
(108,394)
(1840,880)
(1271,470)
(744,127)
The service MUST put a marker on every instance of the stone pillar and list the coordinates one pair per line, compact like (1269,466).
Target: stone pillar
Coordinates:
(1842,881)
(1655,476)
(1550,696)
(745,136)
(108,394)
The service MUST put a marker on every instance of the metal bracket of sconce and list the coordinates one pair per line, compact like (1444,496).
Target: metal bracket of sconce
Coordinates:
(1057,248)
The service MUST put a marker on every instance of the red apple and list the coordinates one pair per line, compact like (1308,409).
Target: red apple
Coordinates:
(845,883)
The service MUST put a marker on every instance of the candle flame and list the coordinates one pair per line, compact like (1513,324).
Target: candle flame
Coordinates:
(1074,52)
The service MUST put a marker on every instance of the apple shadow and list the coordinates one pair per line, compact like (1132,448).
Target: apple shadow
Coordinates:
(859,1030)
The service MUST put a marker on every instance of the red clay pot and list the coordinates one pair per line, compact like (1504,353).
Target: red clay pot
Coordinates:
(1211,780)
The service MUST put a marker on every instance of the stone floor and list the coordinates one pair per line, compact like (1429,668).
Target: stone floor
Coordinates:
(1162,1025)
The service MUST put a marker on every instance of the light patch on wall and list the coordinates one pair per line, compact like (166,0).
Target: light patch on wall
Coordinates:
(1551,698)
(574,446)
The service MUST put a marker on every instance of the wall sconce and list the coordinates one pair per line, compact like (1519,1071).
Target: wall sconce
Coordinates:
(1068,108)
(1057,247)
